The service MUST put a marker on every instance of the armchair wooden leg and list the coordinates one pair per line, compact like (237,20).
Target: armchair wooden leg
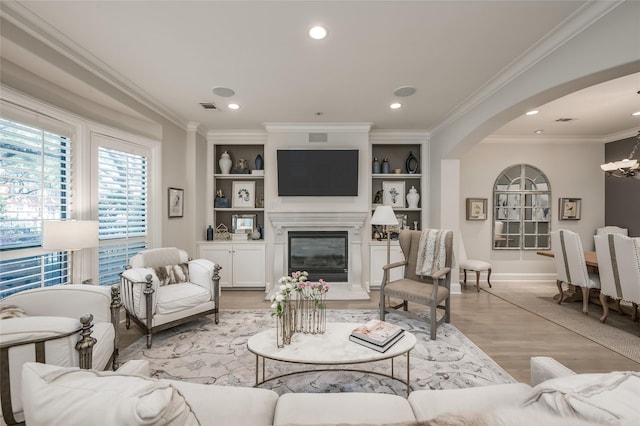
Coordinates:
(560,293)
(465,277)
(585,300)
(478,281)
(489,278)
(605,307)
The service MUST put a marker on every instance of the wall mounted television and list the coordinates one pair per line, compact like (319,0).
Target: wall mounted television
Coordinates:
(317,172)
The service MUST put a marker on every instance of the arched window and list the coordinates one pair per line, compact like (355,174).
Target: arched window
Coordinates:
(521,209)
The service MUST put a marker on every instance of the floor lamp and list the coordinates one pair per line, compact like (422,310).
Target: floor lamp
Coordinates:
(385,216)
(70,235)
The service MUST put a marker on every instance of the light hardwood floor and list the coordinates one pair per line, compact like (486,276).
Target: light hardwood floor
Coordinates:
(507,333)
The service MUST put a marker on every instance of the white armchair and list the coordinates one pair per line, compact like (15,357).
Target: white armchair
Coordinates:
(53,325)
(163,288)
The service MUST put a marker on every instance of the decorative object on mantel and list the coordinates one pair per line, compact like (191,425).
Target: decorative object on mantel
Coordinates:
(627,167)
(386,168)
(375,167)
(413,198)
(222,232)
(225,163)
(570,208)
(411,164)
(259,162)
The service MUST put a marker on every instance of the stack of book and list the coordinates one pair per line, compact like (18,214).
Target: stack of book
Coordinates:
(377,335)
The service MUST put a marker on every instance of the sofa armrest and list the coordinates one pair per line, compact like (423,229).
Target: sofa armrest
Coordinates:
(133,288)
(544,368)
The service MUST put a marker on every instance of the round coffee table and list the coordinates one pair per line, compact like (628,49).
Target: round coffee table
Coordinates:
(331,348)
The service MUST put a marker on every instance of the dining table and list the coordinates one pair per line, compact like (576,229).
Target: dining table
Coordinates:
(590,258)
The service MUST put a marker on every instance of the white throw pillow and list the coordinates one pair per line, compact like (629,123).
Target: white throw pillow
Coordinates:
(70,396)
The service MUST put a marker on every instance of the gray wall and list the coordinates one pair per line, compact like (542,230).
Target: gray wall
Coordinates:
(622,196)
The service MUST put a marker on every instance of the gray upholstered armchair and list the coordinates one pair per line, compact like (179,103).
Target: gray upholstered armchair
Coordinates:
(163,288)
(430,289)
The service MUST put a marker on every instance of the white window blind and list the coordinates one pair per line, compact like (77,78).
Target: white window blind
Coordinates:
(122,210)
(35,185)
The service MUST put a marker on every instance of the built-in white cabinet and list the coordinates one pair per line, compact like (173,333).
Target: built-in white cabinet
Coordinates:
(378,258)
(243,263)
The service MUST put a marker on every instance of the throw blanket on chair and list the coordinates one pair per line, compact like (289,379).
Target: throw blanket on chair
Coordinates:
(431,251)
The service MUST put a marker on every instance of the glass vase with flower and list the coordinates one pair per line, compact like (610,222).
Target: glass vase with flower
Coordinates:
(284,314)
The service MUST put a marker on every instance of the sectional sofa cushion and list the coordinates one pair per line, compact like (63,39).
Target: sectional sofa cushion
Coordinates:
(70,396)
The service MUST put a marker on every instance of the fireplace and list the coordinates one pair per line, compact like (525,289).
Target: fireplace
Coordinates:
(323,254)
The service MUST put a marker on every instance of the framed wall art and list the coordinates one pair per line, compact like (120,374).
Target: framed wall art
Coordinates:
(569,208)
(476,208)
(176,202)
(243,194)
(393,193)
(243,223)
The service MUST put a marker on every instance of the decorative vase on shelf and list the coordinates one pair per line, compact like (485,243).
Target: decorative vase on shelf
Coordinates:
(209,233)
(225,163)
(386,168)
(259,162)
(411,164)
(413,198)
(375,166)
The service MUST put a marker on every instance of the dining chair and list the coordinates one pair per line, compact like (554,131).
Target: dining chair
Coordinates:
(473,265)
(612,230)
(571,266)
(619,269)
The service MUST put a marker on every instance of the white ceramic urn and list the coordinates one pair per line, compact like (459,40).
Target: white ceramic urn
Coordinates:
(225,163)
(413,198)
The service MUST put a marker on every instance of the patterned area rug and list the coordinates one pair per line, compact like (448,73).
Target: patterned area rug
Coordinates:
(619,333)
(203,352)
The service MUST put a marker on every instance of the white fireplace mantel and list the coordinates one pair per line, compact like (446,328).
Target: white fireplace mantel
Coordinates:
(288,220)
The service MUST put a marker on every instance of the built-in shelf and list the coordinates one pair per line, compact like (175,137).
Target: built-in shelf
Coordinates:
(396,175)
(245,176)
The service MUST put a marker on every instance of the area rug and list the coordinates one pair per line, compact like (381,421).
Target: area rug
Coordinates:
(204,352)
(619,333)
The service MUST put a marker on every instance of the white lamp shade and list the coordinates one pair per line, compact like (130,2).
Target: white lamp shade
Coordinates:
(384,215)
(70,235)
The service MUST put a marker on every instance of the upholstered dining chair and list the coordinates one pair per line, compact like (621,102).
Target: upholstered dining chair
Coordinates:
(476,266)
(612,230)
(619,269)
(425,288)
(571,266)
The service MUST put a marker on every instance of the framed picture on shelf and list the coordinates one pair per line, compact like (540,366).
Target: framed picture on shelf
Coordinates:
(243,223)
(243,194)
(570,208)
(393,193)
(176,202)
(476,208)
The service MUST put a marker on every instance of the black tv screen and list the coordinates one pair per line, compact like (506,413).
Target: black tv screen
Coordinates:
(326,172)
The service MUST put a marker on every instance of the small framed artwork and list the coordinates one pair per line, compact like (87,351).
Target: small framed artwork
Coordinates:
(243,194)
(243,223)
(393,193)
(176,202)
(570,208)
(476,208)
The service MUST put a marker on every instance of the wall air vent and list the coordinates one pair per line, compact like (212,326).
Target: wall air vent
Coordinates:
(318,137)
(208,105)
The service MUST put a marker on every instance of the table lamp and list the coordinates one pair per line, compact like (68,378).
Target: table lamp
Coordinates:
(70,235)
(385,216)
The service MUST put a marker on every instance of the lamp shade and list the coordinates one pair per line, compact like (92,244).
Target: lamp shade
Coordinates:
(384,215)
(70,235)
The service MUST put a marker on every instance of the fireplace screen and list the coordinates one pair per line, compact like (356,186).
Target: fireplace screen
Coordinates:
(323,254)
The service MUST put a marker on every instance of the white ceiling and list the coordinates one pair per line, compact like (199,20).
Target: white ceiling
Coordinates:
(173,53)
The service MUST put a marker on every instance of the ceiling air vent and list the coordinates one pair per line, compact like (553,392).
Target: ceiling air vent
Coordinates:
(208,105)
(564,120)
(318,137)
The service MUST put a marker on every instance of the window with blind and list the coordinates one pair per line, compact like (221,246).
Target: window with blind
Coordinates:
(35,185)
(122,209)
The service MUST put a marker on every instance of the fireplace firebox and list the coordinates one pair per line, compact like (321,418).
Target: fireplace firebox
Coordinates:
(323,254)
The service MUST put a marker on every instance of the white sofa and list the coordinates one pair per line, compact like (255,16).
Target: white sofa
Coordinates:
(52,325)
(55,395)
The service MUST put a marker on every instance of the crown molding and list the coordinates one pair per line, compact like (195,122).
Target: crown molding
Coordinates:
(249,137)
(39,29)
(539,139)
(318,127)
(399,136)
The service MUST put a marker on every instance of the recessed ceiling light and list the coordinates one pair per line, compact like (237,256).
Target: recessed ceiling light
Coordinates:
(533,112)
(233,106)
(317,33)
(395,105)
(636,113)
(539,131)
(225,92)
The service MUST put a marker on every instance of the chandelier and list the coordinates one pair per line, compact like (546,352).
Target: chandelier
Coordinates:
(627,167)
